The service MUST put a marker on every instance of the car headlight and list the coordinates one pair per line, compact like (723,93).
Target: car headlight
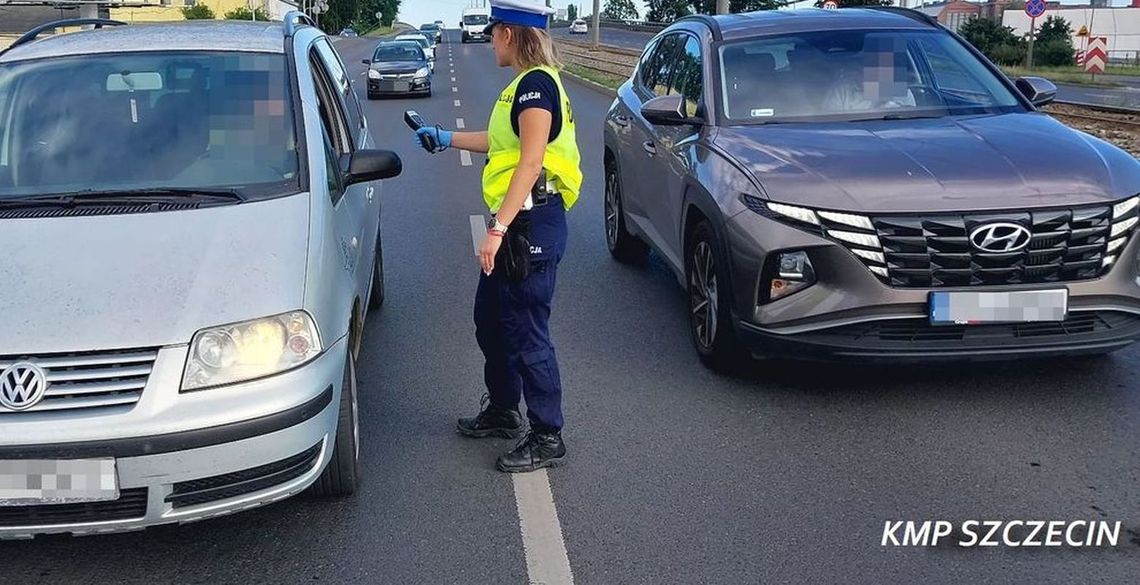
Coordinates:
(252,349)
(373,74)
(423,72)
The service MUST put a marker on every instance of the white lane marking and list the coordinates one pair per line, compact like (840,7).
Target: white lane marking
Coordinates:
(455,90)
(459,123)
(453,71)
(478,233)
(546,560)
(457,103)
(453,80)
(465,158)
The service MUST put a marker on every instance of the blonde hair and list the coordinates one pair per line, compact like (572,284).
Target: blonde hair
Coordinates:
(534,47)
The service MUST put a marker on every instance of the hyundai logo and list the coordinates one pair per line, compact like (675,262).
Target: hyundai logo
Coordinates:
(22,386)
(1000,238)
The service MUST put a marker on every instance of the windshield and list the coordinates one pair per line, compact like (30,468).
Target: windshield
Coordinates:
(429,27)
(475,19)
(857,75)
(398,52)
(147,120)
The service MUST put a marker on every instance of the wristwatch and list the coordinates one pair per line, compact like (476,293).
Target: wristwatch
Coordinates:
(493,225)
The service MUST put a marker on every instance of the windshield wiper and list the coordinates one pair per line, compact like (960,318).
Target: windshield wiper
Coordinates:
(898,116)
(153,194)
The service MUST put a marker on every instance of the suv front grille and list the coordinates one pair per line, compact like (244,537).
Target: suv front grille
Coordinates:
(89,380)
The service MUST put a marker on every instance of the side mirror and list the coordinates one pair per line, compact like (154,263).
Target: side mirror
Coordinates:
(366,61)
(1037,90)
(372,165)
(668,110)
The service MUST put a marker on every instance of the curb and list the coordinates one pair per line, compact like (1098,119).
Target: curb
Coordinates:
(590,84)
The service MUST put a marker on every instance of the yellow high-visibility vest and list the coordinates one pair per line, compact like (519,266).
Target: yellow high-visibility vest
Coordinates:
(561,160)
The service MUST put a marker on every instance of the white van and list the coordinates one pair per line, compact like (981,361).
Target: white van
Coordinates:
(474,21)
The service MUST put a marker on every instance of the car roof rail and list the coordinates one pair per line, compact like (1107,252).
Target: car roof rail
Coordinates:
(35,32)
(705,20)
(907,12)
(294,19)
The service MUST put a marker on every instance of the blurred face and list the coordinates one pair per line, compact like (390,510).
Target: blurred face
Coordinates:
(502,42)
(884,69)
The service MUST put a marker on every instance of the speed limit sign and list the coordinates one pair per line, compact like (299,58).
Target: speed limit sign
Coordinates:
(830,5)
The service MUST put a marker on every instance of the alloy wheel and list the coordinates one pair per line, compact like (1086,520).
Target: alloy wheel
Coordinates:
(611,209)
(703,295)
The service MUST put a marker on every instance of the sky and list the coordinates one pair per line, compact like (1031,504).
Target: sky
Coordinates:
(417,12)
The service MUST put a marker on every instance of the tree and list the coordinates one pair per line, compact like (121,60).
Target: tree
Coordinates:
(1055,28)
(197,12)
(572,13)
(667,10)
(997,42)
(852,3)
(734,6)
(243,13)
(620,10)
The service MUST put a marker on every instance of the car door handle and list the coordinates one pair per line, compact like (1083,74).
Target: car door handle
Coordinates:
(622,121)
(649,147)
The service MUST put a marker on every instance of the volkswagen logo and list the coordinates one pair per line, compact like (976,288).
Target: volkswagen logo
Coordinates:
(1000,238)
(22,386)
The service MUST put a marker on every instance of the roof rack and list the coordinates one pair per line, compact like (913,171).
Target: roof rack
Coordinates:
(294,19)
(35,32)
(907,12)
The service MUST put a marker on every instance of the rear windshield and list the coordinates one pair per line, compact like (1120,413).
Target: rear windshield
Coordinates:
(430,27)
(421,40)
(143,120)
(857,74)
(474,19)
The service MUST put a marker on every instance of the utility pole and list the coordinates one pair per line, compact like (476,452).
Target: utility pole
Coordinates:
(722,6)
(597,24)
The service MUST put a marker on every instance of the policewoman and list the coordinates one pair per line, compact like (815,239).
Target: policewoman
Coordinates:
(531,179)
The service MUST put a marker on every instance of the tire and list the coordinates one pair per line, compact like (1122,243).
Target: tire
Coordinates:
(623,246)
(710,317)
(373,96)
(376,295)
(340,477)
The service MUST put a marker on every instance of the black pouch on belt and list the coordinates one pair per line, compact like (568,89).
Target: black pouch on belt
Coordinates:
(517,244)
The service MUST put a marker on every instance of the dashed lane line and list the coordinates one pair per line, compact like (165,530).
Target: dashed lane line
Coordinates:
(546,560)
(457,103)
(465,158)
(460,124)
(455,90)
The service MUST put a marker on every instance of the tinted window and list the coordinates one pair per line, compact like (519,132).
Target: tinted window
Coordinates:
(659,69)
(856,75)
(408,51)
(688,78)
(146,120)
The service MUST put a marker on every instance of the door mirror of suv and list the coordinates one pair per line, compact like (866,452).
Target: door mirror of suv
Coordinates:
(366,61)
(1038,90)
(372,165)
(668,110)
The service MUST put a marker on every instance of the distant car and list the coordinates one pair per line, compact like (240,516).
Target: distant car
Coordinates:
(348,32)
(578,27)
(398,67)
(813,209)
(427,45)
(439,23)
(433,31)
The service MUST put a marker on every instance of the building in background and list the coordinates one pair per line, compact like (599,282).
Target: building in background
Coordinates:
(1119,25)
(953,13)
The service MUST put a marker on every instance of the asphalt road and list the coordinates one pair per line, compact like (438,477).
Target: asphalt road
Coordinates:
(676,474)
(619,37)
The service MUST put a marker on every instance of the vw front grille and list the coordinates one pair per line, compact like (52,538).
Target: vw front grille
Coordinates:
(89,380)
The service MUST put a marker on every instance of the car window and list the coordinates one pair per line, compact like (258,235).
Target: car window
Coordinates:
(402,51)
(332,122)
(688,79)
(188,120)
(339,76)
(644,64)
(332,169)
(659,70)
(857,74)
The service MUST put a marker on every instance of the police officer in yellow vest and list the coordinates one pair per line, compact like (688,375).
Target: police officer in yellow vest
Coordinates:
(531,178)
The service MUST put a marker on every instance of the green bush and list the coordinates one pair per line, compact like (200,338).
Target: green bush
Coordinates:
(243,13)
(1008,54)
(198,12)
(1054,53)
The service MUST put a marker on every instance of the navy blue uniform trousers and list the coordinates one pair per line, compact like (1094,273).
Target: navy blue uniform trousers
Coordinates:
(512,325)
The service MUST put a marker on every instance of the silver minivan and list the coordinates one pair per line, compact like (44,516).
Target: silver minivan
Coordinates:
(190,217)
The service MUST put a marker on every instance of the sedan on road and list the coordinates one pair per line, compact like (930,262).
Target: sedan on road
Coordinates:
(398,68)
(434,32)
(191,215)
(861,183)
(578,27)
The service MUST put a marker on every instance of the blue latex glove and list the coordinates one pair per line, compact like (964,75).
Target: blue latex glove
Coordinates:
(442,137)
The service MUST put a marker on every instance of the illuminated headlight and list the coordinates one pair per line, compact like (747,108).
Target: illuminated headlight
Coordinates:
(797,213)
(1122,208)
(250,350)
(1123,226)
(423,72)
(848,219)
(373,74)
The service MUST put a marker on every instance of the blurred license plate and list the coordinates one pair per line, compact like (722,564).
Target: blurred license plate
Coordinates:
(32,482)
(975,308)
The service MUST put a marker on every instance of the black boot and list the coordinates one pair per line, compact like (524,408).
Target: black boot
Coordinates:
(537,450)
(492,422)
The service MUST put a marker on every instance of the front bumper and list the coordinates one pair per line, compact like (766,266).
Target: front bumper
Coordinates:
(399,87)
(186,457)
(851,314)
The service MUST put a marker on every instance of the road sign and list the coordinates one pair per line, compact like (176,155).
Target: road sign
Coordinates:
(1084,32)
(1035,8)
(830,5)
(1097,55)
